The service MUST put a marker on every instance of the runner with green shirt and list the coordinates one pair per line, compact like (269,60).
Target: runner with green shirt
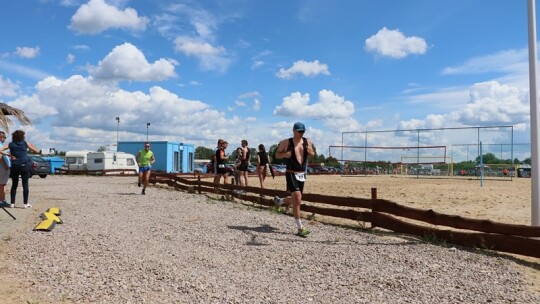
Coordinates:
(145,160)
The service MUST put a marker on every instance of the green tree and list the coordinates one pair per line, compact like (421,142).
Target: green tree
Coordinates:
(488,158)
(253,155)
(272,153)
(332,161)
(203,153)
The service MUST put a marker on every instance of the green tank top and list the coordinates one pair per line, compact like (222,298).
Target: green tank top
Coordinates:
(144,157)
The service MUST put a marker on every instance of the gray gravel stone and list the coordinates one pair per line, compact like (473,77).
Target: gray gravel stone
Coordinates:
(117,246)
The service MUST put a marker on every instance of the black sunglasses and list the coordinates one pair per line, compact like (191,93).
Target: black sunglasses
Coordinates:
(300,131)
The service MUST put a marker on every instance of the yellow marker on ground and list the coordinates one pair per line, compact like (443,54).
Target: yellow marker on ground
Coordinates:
(46,225)
(50,216)
(55,211)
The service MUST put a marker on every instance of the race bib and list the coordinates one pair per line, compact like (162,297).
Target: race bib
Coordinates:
(221,166)
(300,176)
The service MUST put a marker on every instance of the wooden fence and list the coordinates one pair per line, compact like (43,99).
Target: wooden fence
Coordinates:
(109,172)
(485,234)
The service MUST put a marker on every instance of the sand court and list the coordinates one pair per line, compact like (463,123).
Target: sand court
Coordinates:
(501,201)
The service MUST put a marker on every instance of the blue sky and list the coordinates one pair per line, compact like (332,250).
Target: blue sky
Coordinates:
(248,69)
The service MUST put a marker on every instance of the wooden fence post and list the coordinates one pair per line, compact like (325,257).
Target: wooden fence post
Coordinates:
(199,183)
(373,198)
(373,193)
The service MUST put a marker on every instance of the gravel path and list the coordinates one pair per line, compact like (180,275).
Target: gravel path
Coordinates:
(117,246)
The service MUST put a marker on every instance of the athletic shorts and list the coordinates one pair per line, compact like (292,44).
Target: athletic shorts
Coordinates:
(221,171)
(4,176)
(293,184)
(144,169)
(243,166)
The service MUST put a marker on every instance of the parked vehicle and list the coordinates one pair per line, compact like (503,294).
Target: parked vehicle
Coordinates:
(228,168)
(279,168)
(39,166)
(109,160)
(199,168)
(252,168)
(319,169)
(76,160)
(524,172)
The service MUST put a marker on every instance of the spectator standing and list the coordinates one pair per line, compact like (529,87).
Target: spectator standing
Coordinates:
(296,151)
(20,165)
(246,156)
(237,180)
(221,158)
(214,161)
(145,160)
(5,164)
(263,162)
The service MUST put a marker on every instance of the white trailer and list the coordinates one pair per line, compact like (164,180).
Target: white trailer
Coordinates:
(112,160)
(76,160)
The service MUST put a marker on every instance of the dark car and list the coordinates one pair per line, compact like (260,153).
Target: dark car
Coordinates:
(39,166)
(319,169)
(228,168)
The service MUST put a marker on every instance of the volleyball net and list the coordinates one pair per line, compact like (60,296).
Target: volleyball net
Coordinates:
(462,151)
(390,160)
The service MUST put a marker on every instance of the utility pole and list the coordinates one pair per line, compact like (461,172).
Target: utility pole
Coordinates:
(117,128)
(535,157)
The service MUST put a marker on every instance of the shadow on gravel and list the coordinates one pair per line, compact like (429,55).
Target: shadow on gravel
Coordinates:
(131,193)
(263,228)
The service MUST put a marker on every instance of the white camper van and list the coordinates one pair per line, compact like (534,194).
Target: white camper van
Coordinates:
(109,160)
(76,160)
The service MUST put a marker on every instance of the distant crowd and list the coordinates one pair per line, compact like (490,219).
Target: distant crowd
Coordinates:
(241,165)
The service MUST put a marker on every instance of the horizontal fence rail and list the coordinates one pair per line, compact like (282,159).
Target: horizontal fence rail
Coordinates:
(108,172)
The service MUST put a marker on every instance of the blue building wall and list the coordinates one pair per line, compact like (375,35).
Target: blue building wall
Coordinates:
(170,156)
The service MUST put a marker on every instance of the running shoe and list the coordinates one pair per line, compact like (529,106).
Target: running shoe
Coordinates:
(303,232)
(139,184)
(144,191)
(26,206)
(12,206)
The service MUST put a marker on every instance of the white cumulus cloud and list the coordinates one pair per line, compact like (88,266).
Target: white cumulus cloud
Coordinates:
(308,69)
(127,62)
(27,52)
(7,87)
(393,43)
(210,57)
(77,105)
(97,16)
(490,103)
(329,106)
(70,58)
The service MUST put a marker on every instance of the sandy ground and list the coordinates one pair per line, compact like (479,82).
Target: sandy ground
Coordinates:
(501,201)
